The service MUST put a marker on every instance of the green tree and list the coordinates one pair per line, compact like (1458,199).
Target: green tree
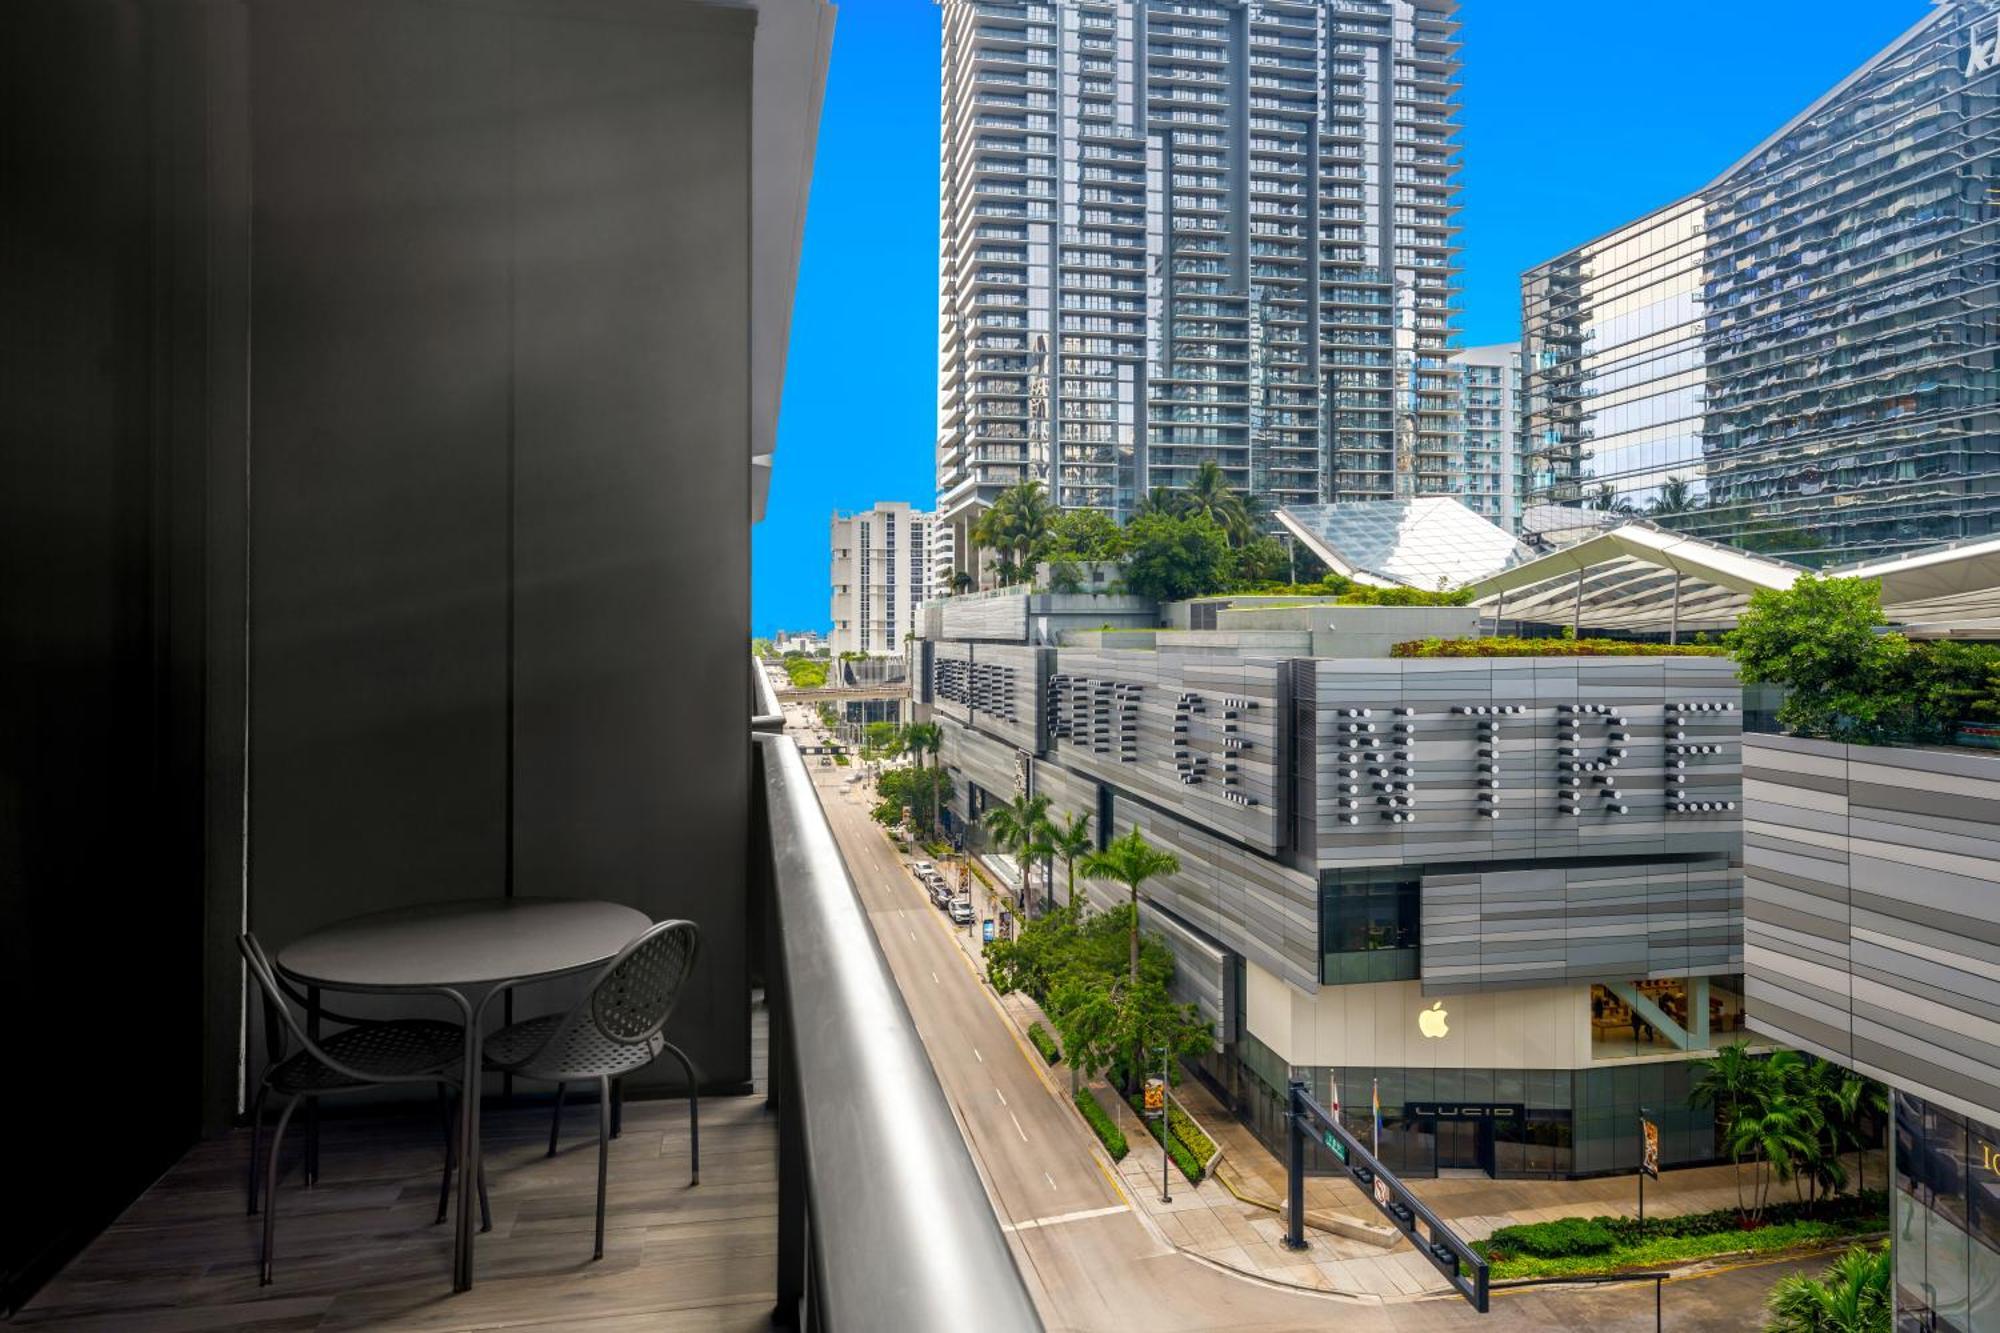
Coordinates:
(923,740)
(1064,943)
(1853,1296)
(1211,495)
(1729,1081)
(1169,557)
(1071,840)
(1104,1026)
(1015,528)
(923,790)
(1778,1127)
(961,581)
(881,737)
(1260,560)
(1087,534)
(1020,828)
(1822,640)
(1131,861)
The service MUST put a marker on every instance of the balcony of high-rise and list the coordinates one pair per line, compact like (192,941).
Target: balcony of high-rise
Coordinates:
(403,381)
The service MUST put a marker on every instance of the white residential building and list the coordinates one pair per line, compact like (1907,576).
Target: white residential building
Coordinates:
(1486,471)
(881,575)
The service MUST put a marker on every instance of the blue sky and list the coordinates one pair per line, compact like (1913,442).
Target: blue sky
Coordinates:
(1578,115)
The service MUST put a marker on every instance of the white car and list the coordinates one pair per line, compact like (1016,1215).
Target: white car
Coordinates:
(961,910)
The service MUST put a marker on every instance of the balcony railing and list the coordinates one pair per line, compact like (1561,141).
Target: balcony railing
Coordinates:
(883,1222)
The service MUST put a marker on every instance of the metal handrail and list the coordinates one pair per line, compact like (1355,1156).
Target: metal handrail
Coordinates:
(883,1221)
(767,714)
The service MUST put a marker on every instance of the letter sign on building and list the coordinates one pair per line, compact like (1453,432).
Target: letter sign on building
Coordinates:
(1983,47)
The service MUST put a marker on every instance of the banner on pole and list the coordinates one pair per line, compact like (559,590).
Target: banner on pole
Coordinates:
(1650,1134)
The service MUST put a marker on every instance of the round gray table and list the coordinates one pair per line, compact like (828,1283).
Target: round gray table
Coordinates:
(451,948)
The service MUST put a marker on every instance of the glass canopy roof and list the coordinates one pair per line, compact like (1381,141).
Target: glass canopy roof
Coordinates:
(1436,543)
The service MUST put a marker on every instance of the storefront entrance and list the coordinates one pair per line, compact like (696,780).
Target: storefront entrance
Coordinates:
(1463,1133)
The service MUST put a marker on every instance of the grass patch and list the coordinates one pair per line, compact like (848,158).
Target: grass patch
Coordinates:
(1108,1134)
(1576,1246)
(1044,1043)
(1189,1164)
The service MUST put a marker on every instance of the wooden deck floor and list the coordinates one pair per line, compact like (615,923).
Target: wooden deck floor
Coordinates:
(361,1251)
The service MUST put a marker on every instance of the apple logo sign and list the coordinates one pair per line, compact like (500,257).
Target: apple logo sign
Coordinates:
(1431,1021)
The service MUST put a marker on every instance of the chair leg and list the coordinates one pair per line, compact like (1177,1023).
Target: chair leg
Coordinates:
(694,1111)
(617,1107)
(485,1209)
(266,1260)
(603,1155)
(256,1140)
(555,1121)
(450,1153)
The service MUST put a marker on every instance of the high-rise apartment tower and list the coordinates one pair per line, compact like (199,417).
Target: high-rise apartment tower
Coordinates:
(1175,231)
(881,574)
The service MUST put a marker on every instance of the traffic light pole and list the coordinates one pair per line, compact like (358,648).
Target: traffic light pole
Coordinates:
(1295,1171)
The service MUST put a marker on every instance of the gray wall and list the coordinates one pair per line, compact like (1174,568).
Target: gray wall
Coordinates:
(500,405)
(1564,924)
(1447,826)
(1161,726)
(1871,935)
(995,687)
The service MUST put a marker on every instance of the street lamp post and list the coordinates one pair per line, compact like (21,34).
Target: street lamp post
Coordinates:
(1166,1130)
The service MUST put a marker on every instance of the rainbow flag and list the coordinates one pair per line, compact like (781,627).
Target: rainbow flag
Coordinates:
(1376,1098)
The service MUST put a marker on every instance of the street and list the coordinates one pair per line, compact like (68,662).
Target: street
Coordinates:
(1091,1260)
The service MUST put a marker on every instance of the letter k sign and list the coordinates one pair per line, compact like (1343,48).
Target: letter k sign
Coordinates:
(1983,52)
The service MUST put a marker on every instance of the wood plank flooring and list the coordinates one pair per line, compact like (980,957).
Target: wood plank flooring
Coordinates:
(361,1251)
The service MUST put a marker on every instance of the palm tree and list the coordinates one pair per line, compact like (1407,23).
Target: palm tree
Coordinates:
(923,739)
(1211,494)
(1071,839)
(1031,524)
(1853,1296)
(1676,497)
(1131,860)
(961,581)
(1728,1082)
(1778,1126)
(1160,500)
(1016,827)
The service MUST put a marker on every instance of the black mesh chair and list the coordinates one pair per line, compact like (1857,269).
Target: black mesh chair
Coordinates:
(612,1031)
(366,1053)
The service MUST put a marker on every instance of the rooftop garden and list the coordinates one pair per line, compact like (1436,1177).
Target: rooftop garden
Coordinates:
(1848,678)
(1198,541)
(1563,647)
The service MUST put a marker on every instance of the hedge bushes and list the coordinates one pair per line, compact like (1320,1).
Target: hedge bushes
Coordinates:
(1044,1042)
(1185,1160)
(1560,1239)
(1509,647)
(1189,1133)
(1112,1137)
(1574,1245)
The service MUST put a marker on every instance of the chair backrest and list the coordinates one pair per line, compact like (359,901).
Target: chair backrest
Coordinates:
(275,996)
(633,996)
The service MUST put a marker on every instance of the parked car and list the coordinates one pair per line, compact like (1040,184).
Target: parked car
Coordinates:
(940,894)
(961,910)
(922,869)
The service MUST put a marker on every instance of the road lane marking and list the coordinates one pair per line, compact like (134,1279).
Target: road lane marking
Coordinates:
(977,1056)
(934,979)
(1017,1126)
(1051,1179)
(997,1093)
(1060,1218)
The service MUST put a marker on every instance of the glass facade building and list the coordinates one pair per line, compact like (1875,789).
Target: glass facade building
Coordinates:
(1947,1220)
(1182,231)
(1487,471)
(1799,358)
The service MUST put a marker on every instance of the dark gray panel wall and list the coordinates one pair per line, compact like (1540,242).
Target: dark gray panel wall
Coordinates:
(973,757)
(499,515)
(1869,893)
(1205,736)
(996,687)
(1243,901)
(1443,760)
(1563,924)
